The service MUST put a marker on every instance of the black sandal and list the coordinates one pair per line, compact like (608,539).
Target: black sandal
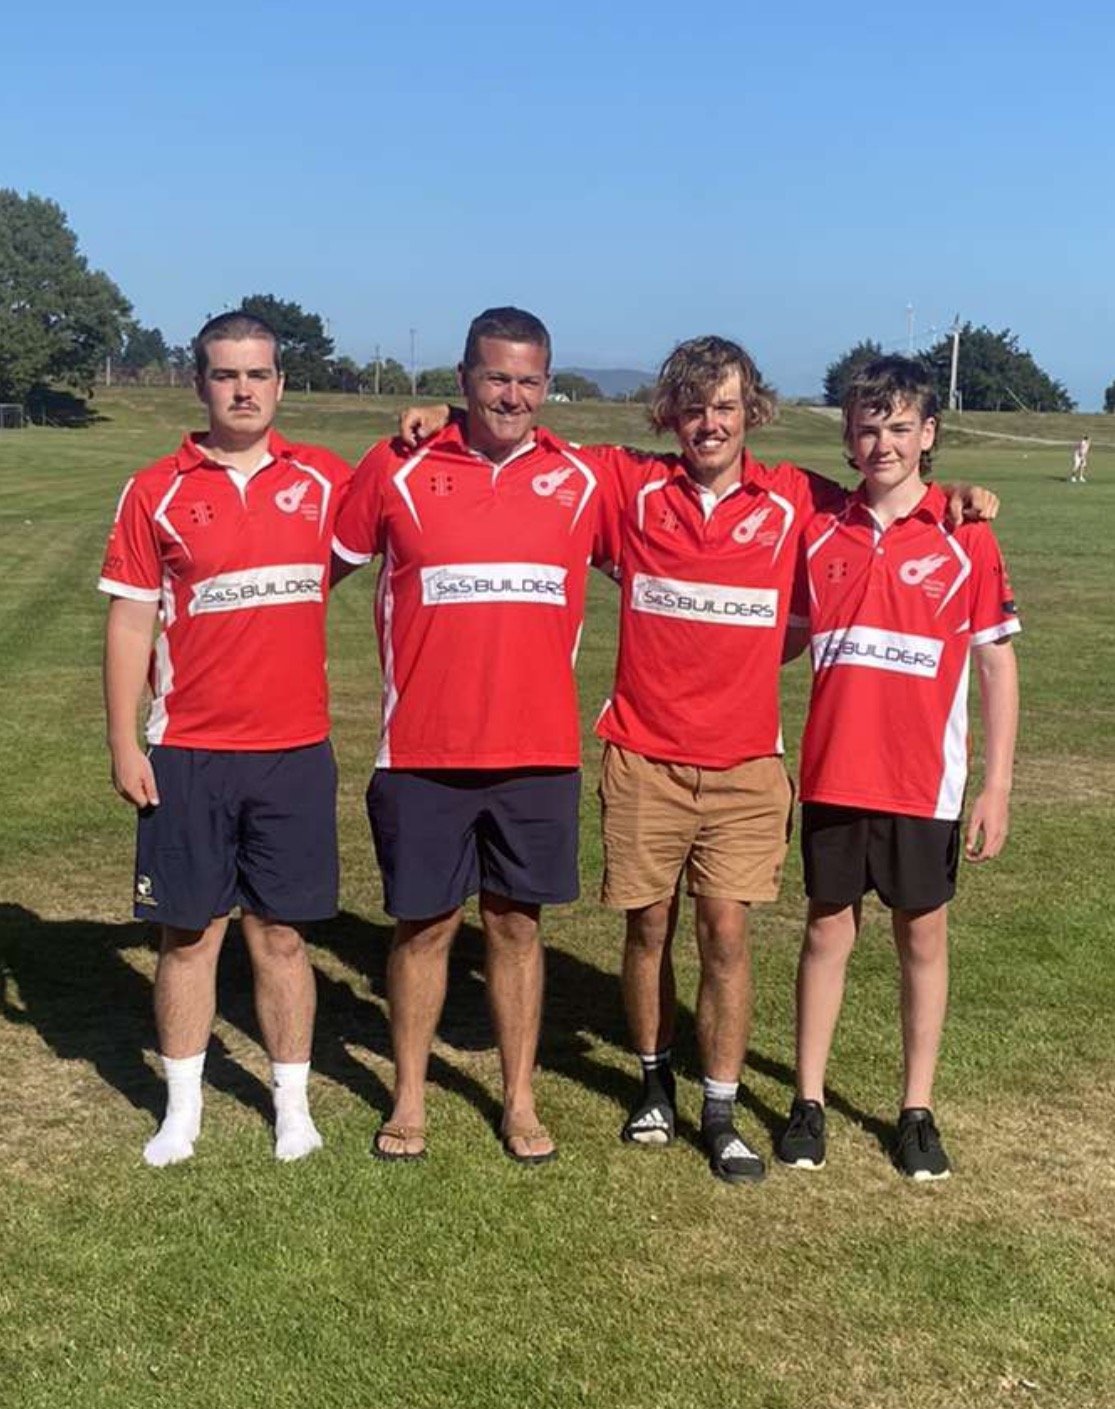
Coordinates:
(729,1157)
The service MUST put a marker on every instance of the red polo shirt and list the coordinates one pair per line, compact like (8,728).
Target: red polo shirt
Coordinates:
(240,569)
(480,598)
(894,613)
(706,587)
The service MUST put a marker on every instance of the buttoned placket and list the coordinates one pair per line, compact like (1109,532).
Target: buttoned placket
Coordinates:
(709,501)
(239,479)
(502,465)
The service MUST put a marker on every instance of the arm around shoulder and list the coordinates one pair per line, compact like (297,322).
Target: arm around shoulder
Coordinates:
(418,423)
(971,503)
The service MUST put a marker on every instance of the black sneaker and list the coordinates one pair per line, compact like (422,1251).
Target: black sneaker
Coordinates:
(803,1141)
(652,1118)
(918,1152)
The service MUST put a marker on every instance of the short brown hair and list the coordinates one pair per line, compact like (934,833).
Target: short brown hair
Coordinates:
(508,325)
(886,383)
(694,370)
(235,326)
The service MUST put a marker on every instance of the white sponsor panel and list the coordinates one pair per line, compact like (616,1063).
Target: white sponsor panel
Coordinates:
(277,585)
(465,584)
(704,601)
(899,651)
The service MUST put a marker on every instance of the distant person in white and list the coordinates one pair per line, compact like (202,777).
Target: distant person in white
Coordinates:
(1080,461)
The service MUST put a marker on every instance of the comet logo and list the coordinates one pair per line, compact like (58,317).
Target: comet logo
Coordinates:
(744,532)
(914,571)
(290,500)
(548,484)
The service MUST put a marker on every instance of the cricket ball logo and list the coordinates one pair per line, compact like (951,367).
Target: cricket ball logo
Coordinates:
(914,571)
(548,484)
(745,532)
(290,500)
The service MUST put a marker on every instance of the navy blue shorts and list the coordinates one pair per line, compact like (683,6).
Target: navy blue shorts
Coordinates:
(258,830)
(911,862)
(442,835)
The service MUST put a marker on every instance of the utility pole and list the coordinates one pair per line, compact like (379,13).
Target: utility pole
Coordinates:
(414,361)
(108,369)
(955,331)
(909,330)
(376,375)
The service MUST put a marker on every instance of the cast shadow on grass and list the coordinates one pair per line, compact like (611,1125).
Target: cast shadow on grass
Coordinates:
(344,1019)
(88,1003)
(50,406)
(71,981)
(774,1122)
(583,1009)
(583,1004)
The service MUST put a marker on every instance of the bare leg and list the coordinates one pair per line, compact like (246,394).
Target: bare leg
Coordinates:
(514,969)
(417,972)
(649,993)
(830,935)
(185,1002)
(286,1000)
(724,991)
(723,1028)
(186,987)
(921,937)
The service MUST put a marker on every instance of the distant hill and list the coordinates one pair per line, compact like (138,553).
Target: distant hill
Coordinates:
(612,381)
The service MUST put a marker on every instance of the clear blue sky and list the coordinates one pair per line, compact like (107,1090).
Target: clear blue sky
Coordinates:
(792,175)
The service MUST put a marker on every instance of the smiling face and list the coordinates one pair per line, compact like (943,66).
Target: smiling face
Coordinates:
(886,446)
(505,387)
(241,389)
(711,434)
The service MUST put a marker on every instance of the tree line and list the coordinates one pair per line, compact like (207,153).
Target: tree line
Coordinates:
(63,324)
(60,320)
(994,373)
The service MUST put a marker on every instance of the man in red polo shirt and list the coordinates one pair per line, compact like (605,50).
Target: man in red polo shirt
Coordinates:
(226,543)
(485,533)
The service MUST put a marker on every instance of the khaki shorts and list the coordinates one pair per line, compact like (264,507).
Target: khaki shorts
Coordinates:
(727,827)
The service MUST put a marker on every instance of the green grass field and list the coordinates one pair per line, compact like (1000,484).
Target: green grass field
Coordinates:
(616,1277)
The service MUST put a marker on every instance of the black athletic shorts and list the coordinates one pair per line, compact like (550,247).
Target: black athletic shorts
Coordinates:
(258,830)
(441,835)
(910,862)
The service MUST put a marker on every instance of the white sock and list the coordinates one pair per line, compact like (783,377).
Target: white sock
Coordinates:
(720,1097)
(295,1133)
(174,1139)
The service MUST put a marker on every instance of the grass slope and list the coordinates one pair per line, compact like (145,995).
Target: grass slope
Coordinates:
(616,1277)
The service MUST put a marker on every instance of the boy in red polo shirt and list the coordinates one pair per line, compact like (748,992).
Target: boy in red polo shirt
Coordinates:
(899,601)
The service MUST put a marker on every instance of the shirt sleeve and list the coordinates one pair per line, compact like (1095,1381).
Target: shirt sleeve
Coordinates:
(132,564)
(623,473)
(822,495)
(358,534)
(798,616)
(606,540)
(994,615)
(341,474)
